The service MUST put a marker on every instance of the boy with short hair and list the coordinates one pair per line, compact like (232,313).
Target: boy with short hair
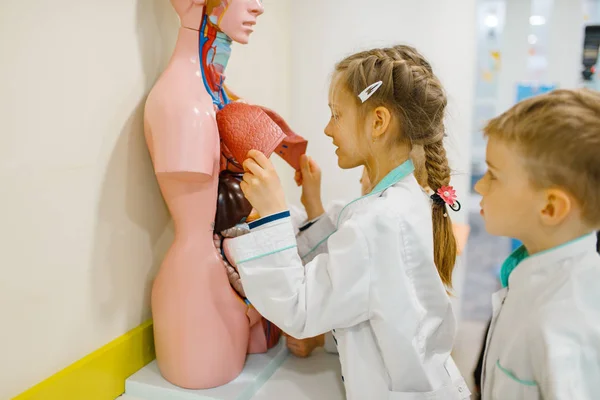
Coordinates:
(543,188)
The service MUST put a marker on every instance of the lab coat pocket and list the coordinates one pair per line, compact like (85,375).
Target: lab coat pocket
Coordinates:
(507,386)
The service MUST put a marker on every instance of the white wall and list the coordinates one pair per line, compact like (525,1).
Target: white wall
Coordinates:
(513,52)
(261,72)
(566,35)
(84,226)
(556,55)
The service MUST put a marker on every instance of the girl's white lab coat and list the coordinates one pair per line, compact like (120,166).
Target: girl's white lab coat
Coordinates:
(544,340)
(371,280)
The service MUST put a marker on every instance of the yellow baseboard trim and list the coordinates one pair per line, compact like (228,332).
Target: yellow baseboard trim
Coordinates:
(102,374)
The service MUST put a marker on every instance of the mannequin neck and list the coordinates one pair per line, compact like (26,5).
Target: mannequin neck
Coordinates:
(215,50)
(186,46)
(208,50)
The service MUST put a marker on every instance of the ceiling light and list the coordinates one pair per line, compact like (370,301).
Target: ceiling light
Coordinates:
(537,20)
(491,21)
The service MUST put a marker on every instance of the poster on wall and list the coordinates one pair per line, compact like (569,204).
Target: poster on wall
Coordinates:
(527,90)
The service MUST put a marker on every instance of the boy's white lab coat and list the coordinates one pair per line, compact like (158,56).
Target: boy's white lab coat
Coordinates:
(544,340)
(371,280)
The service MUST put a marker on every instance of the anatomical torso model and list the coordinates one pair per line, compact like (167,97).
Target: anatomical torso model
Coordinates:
(203,329)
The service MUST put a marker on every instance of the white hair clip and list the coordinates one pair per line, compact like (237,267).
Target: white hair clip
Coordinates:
(368,92)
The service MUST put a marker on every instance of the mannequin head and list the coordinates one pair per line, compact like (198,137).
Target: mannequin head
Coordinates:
(235,18)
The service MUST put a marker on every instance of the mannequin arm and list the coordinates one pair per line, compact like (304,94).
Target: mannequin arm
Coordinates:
(185,142)
(197,177)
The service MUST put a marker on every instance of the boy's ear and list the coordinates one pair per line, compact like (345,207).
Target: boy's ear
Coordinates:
(558,205)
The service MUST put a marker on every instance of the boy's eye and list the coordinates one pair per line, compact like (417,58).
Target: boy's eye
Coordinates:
(492,177)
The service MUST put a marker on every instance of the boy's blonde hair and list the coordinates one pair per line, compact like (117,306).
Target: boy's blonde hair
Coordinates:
(558,136)
(414,95)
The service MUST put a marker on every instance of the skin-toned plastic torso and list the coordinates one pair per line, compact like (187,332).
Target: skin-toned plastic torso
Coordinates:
(203,329)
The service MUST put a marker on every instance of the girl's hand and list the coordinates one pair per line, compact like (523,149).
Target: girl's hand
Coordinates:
(309,177)
(304,347)
(261,185)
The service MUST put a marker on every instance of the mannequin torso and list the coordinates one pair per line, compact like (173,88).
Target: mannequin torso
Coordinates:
(203,329)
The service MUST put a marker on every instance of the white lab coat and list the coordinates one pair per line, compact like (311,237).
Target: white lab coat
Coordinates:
(544,340)
(299,219)
(371,280)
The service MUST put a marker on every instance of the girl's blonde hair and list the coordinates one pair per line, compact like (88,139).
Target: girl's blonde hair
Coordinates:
(558,135)
(415,96)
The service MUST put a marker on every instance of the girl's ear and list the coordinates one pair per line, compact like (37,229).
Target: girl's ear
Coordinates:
(381,121)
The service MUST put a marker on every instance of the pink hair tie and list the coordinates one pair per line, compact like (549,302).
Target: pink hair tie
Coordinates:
(446,196)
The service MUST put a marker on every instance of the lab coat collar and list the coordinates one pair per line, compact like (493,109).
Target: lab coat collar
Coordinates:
(395,176)
(542,262)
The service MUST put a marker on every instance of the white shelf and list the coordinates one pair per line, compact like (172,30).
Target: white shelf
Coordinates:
(315,377)
(148,383)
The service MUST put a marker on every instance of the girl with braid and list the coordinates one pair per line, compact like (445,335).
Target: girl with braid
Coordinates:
(376,273)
